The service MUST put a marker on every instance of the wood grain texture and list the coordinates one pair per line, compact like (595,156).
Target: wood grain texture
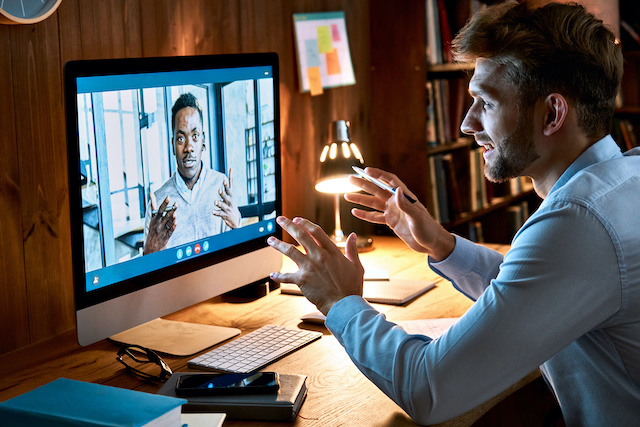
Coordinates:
(41,155)
(398,85)
(14,322)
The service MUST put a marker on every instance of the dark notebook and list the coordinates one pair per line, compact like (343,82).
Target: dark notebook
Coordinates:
(283,406)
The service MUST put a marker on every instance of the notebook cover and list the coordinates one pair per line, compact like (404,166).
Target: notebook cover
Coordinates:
(65,402)
(393,291)
(282,406)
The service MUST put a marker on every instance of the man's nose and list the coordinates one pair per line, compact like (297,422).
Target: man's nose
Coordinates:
(470,125)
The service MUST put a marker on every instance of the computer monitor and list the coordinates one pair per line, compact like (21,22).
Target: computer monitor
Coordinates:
(122,148)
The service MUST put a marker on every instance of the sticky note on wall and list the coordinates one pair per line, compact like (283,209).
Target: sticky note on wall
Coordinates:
(333,62)
(311,50)
(325,45)
(315,82)
(335,33)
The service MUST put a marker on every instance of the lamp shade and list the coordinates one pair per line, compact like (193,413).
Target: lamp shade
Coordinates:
(338,157)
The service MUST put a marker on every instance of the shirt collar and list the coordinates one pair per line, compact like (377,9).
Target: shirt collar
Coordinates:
(604,149)
(182,186)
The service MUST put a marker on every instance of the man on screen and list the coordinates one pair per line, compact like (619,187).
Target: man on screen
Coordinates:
(197,202)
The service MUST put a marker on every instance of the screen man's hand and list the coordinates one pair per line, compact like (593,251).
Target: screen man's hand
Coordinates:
(226,207)
(161,226)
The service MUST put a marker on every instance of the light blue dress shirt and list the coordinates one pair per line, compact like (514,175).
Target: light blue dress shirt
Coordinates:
(566,297)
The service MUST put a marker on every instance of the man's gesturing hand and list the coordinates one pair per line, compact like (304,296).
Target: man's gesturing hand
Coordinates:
(324,274)
(227,208)
(161,226)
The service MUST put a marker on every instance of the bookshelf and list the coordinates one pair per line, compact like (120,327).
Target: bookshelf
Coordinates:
(626,123)
(400,116)
(459,196)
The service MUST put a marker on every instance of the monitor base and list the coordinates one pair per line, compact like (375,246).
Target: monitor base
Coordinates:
(175,338)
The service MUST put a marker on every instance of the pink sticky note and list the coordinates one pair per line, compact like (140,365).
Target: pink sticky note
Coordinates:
(335,32)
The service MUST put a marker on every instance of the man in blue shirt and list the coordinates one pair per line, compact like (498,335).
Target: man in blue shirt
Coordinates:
(566,297)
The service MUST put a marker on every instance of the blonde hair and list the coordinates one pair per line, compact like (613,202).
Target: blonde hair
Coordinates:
(557,48)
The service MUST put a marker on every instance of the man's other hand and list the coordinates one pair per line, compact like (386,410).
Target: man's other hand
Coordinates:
(226,207)
(324,274)
(161,226)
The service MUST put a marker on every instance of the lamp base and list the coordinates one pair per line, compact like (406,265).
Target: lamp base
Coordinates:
(363,243)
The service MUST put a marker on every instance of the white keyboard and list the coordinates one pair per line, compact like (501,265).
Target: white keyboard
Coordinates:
(254,350)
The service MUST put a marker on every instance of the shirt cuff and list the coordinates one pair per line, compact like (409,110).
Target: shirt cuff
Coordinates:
(343,311)
(460,262)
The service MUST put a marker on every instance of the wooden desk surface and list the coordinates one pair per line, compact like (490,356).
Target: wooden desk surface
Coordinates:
(338,394)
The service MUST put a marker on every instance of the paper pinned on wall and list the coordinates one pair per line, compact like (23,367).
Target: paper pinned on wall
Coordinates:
(324,59)
(315,83)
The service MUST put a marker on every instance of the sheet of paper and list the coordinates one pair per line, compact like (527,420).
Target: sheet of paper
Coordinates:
(196,419)
(432,328)
(323,55)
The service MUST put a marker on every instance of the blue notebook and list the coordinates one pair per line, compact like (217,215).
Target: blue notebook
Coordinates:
(65,402)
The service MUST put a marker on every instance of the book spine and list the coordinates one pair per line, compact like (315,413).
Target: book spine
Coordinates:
(244,411)
(16,417)
(435,212)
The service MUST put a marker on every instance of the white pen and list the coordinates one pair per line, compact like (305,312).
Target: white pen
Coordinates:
(167,210)
(379,183)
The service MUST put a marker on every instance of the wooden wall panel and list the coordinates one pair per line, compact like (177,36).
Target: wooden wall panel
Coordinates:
(398,35)
(37,83)
(36,299)
(14,325)
(172,28)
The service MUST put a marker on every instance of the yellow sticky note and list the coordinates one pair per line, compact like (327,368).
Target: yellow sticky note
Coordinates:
(333,63)
(325,45)
(315,82)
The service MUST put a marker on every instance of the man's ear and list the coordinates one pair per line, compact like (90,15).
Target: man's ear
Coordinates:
(204,140)
(173,145)
(556,111)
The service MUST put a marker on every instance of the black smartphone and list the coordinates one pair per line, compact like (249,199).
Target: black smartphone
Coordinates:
(211,384)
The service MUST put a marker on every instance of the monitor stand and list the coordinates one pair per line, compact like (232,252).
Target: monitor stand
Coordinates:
(175,338)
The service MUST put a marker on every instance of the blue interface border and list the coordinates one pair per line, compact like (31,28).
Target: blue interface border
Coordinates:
(169,78)
(138,266)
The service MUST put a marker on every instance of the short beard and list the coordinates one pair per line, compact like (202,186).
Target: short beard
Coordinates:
(517,152)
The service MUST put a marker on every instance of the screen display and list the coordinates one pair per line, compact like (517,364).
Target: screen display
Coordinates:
(199,142)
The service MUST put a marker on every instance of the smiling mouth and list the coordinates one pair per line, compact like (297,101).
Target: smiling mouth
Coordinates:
(487,145)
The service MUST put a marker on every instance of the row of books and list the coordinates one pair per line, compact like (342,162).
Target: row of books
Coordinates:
(624,133)
(448,101)
(456,192)
(444,20)
(630,33)
(517,214)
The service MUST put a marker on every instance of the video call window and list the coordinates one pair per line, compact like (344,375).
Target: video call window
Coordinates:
(126,153)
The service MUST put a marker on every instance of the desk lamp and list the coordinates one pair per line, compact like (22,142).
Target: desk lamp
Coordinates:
(336,161)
